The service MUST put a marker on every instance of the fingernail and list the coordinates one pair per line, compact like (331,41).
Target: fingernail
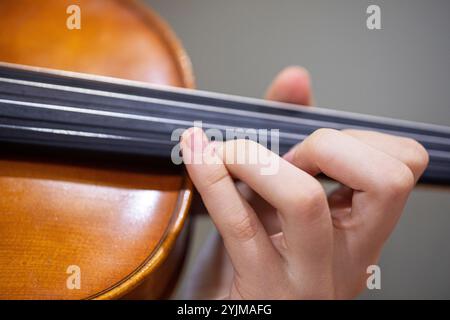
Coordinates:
(196,140)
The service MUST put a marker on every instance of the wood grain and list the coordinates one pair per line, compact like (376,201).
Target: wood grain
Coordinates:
(120,226)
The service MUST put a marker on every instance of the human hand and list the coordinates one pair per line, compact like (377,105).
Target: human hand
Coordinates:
(298,242)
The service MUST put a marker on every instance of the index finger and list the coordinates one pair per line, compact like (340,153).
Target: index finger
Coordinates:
(245,239)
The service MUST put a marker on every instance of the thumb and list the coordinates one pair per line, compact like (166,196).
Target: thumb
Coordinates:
(292,85)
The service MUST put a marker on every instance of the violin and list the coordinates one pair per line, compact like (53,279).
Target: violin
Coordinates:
(79,226)
(94,200)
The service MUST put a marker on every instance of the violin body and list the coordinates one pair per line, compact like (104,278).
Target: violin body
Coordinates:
(92,203)
(81,227)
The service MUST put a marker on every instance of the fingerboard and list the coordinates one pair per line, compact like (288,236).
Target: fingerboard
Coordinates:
(68,110)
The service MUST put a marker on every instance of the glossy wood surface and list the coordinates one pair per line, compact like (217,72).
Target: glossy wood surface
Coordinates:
(120,222)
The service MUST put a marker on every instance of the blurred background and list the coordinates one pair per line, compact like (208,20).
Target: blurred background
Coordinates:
(400,71)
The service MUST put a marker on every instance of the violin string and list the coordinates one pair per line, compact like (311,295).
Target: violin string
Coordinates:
(202,107)
(48,129)
(316,123)
(293,137)
(177,104)
(441,155)
(187,93)
(121,115)
(246,113)
(434,170)
(73,133)
(298,137)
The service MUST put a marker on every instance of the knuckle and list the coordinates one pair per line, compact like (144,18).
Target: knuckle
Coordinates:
(398,182)
(320,139)
(313,198)
(418,157)
(212,178)
(245,228)
(323,134)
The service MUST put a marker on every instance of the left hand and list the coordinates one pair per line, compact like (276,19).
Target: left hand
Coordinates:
(305,244)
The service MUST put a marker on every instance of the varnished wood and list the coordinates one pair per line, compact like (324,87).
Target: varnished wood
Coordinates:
(118,38)
(121,226)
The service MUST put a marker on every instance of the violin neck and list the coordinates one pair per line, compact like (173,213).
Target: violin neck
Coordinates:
(68,110)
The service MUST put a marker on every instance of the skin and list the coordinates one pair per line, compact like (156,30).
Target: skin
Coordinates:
(282,236)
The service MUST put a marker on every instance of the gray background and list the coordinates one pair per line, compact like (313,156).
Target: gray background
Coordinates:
(401,71)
